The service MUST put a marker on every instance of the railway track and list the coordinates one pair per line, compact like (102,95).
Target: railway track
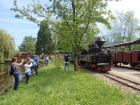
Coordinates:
(128,83)
(121,78)
(128,67)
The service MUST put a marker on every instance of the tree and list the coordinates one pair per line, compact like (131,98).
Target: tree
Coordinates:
(7,45)
(17,52)
(28,45)
(55,41)
(76,21)
(126,27)
(44,41)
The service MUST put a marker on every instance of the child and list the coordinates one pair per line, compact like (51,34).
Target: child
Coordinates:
(27,66)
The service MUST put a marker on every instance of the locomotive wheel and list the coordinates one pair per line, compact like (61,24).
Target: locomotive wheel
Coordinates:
(93,68)
(82,63)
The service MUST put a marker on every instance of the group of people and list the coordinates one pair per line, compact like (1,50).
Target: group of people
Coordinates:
(46,59)
(29,65)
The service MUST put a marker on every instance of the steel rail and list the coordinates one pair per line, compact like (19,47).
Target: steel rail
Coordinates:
(124,81)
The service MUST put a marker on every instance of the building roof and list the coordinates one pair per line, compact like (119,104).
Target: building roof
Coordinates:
(124,44)
(23,52)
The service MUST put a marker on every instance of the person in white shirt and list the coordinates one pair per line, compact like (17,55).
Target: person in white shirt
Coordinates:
(34,65)
(27,66)
(47,60)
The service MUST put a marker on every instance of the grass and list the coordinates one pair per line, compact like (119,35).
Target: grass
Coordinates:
(55,87)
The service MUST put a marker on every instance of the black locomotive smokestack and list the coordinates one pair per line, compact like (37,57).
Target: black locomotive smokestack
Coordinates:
(100,41)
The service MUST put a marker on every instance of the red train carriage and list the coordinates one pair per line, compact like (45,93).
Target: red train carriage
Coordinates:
(132,58)
(23,55)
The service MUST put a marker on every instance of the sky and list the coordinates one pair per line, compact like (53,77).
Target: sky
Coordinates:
(19,28)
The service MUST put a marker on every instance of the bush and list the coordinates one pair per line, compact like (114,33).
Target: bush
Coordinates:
(58,61)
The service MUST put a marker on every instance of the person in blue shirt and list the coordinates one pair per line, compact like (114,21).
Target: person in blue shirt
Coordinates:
(37,62)
(45,59)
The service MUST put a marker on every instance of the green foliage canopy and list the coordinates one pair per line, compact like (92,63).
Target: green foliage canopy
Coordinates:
(28,45)
(124,29)
(78,20)
(17,52)
(7,45)
(44,40)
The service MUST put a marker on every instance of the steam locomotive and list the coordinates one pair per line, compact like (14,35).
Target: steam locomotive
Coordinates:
(95,58)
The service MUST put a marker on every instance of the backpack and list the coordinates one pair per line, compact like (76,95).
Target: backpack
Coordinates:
(11,70)
(66,58)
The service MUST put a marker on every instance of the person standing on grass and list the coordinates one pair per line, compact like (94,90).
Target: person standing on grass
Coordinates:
(42,55)
(15,66)
(51,58)
(27,66)
(34,64)
(45,59)
(66,62)
(37,62)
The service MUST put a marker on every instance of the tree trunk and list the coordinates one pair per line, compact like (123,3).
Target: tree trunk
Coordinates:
(73,7)
(76,62)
